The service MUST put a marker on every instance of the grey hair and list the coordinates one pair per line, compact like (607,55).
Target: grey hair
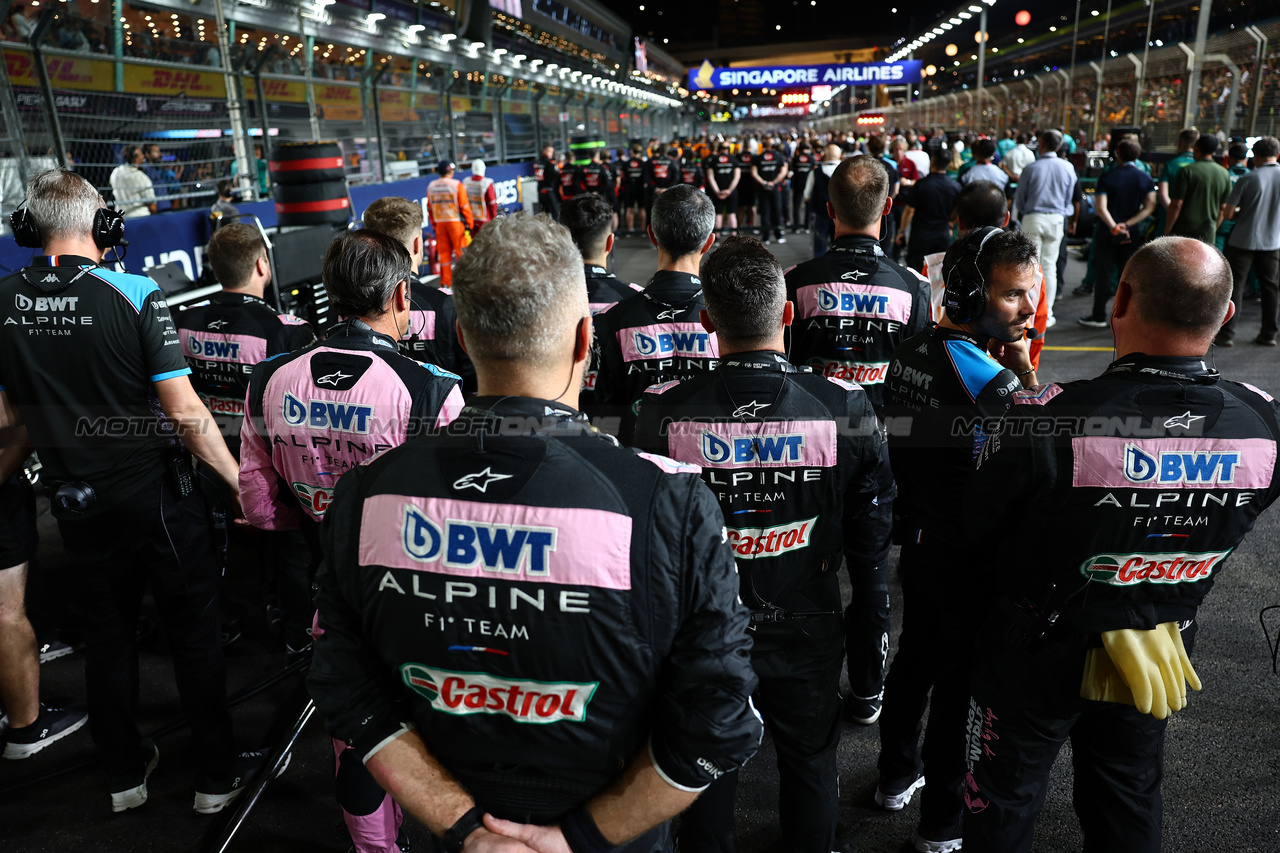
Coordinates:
(62,204)
(519,289)
(682,219)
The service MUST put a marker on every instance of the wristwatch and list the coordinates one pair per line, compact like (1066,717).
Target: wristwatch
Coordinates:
(457,834)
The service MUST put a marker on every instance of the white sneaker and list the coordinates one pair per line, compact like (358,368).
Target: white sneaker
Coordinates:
(894,801)
(131,798)
(925,845)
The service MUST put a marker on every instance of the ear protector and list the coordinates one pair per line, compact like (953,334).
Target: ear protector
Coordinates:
(108,228)
(965,297)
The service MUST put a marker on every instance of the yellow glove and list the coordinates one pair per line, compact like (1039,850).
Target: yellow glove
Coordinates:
(1147,669)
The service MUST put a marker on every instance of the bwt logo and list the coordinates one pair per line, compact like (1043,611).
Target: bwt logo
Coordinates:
(764,448)
(853,303)
(508,192)
(327,415)
(1174,467)
(225,350)
(503,548)
(45,303)
(690,344)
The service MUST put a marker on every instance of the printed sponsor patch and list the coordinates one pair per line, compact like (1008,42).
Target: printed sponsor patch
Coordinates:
(1165,463)
(770,444)
(851,299)
(472,539)
(466,693)
(1131,569)
(667,340)
(757,543)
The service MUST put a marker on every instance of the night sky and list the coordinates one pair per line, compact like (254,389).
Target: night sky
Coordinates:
(694,24)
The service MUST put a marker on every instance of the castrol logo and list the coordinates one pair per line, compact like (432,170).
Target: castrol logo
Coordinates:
(465,693)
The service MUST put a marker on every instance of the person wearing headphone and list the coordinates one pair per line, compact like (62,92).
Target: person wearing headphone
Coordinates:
(92,367)
(433,334)
(946,386)
(760,428)
(320,411)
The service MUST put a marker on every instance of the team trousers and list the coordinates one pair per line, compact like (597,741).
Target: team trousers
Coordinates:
(1025,704)
(938,615)
(151,538)
(770,201)
(798,664)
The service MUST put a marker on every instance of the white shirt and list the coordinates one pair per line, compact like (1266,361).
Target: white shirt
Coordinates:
(1019,158)
(133,191)
(920,158)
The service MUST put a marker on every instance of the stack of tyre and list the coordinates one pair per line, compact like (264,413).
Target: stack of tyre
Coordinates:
(310,187)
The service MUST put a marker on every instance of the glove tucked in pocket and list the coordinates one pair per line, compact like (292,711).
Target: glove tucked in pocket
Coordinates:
(1147,669)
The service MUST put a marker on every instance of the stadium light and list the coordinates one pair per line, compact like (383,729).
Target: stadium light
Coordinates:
(946,22)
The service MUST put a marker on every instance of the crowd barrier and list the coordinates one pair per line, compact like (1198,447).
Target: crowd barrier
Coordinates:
(180,236)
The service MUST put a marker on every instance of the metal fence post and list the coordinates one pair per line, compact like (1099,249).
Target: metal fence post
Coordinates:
(374,76)
(9,109)
(46,88)
(1255,103)
(235,106)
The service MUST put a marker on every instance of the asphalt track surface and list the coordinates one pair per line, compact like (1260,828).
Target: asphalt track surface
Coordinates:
(1222,762)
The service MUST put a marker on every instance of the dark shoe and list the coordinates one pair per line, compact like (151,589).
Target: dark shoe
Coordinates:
(274,619)
(1265,340)
(927,842)
(1221,340)
(862,711)
(213,796)
(1093,322)
(124,794)
(54,649)
(53,724)
(894,799)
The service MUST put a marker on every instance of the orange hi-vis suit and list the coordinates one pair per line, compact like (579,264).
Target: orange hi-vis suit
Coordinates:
(450,218)
(482,198)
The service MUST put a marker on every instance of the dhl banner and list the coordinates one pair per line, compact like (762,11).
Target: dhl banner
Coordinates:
(396,105)
(460,105)
(90,75)
(279,91)
(427,101)
(518,108)
(340,103)
(152,80)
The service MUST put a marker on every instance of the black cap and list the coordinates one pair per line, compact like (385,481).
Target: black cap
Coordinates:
(445,166)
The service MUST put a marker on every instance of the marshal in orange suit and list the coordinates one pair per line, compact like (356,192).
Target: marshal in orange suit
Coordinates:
(450,218)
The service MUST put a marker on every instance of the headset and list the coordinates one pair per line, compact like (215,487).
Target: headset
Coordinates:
(965,297)
(108,228)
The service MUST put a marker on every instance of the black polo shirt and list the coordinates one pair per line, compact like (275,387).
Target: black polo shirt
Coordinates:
(934,199)
(80,349)
(1126,188)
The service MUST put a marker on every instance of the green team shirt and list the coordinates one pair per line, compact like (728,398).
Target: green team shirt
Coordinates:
(1202,187)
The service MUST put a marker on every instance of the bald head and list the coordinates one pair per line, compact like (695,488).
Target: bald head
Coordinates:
(1180,285)
(832,153)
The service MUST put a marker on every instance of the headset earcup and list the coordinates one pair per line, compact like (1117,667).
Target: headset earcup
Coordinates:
(108,228)
(25,231)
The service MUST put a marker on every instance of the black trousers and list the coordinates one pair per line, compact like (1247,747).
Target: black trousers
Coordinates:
(798,664)
(1267,265)
(1110,255)
(155,538)
(867,619)
(770,202)
(799,210)
(1025,704)
(938,622)
(549,200)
